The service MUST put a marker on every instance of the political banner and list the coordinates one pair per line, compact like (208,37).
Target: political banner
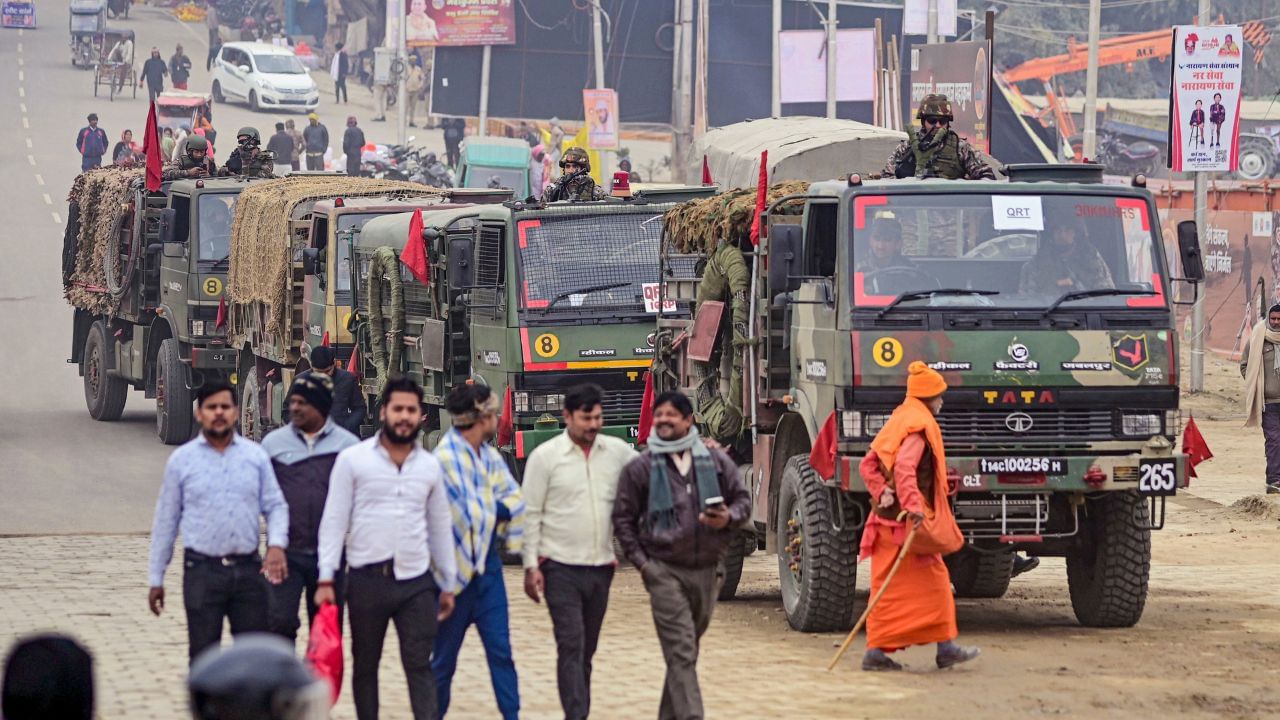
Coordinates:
(1204,100)
(601,111)
(962,72)
(457,22)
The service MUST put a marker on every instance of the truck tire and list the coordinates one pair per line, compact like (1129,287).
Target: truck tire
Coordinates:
(251,424)
(817,566)
(742,544)
(1257,159)
(977,574)
(1107,574)
(104,394)
(174,419)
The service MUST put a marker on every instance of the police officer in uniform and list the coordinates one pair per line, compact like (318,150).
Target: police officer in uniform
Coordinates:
(249,159)
(576,183)
(194,161)
(935,150)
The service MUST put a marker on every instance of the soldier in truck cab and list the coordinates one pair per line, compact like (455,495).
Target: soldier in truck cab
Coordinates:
(885,247)
(1065,261)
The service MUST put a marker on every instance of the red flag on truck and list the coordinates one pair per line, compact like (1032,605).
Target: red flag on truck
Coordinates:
(151,149)
(646,410)
(221,320)
(1194,446)
(414,255)
(706,172)
(823,456)
(762,191)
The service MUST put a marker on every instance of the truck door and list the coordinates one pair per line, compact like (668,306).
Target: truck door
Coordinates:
(814,361)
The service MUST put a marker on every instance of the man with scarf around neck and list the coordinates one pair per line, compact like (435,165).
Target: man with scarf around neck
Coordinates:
(673,515)
(1260,367)
(486,506)
(906,471)
(935,150)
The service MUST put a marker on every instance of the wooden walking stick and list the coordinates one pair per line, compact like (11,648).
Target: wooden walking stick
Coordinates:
(906,545)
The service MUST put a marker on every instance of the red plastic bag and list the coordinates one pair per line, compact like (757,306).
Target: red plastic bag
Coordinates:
(324,649)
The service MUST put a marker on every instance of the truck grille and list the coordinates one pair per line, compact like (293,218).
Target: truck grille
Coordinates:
(621,400)
(983,428)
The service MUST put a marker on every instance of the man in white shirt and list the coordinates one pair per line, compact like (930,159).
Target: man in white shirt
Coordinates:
(388,492)
(569,488)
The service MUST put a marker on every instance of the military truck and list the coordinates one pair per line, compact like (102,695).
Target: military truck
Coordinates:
(286,294)
(146,274)
(528,299)
(1047,304)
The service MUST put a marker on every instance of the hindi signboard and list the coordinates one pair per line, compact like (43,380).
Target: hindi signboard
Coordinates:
(1204,100)
(457,22)
(962,72)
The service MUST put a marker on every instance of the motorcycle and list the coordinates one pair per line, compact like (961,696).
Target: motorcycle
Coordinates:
(434,172)
(1122,158)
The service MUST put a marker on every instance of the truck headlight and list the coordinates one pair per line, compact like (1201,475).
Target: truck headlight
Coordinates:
(197,327)
(537,401)
(850,423)
(857,423)
(1143,424)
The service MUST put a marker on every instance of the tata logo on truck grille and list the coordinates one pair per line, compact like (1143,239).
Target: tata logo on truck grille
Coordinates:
(1020,397)
(1018,422)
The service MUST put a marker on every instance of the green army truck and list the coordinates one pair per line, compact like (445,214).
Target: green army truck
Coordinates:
(528,299)
(1047,304)
(290,281)
(146,274)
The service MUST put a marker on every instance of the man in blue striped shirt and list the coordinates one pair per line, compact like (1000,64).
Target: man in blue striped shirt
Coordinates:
(216,487)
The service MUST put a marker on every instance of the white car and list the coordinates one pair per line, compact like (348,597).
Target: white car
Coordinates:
(265,76)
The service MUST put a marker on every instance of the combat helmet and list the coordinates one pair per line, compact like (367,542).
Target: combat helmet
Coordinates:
(578,155)
(256,678)
(252,132)
(934,105)
(195,142)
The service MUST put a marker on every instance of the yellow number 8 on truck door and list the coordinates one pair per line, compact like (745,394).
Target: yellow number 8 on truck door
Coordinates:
(546,345)
(886,352)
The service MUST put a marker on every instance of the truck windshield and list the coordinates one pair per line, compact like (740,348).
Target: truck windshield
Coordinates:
(1004,251)
(479,176)
(572,263)
(214,230)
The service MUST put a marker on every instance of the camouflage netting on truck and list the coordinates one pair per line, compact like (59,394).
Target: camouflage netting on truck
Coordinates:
(97,204)
(261,252)
(698,225)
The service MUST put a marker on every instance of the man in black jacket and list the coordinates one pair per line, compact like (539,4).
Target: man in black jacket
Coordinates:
(348,406)
(153,72)
(315,141)
(352,146)
(302,455)
(179,69)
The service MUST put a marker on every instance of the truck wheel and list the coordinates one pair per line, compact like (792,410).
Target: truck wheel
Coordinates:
(1108,573)
(251,423)
(817,566)
(104,394)
(174,419)
(980,574)
(743,542)
(1257,159)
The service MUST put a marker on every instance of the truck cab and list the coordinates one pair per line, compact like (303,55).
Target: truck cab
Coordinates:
(483,158)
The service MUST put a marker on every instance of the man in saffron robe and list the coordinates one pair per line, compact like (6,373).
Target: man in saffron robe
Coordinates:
(906,471)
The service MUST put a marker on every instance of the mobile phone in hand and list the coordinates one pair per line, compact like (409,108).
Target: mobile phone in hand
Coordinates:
(714,503)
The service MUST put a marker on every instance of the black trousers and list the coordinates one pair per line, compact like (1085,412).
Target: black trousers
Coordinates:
(340,90)
(577,597)
(304,574)
(315,160)
(375,597)
(217,588)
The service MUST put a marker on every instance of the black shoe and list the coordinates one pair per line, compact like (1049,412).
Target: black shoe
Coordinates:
(1273,488)
(1024,564)
(950,654)
(876,661)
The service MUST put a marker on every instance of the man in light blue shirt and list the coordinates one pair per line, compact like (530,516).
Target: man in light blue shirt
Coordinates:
(216,487)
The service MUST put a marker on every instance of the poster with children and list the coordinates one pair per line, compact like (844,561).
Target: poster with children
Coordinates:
(1204,103)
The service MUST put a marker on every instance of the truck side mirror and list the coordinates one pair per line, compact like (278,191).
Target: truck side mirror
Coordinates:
(460,266)
(1189,248)
(784,257)
(173,247)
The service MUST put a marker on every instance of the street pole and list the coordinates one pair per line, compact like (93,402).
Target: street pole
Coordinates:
(775,106)
(933,22)
(597,37)
(484,91)
(1091,82)
(402,56)
(831,23)
(684,115)
(1201,216)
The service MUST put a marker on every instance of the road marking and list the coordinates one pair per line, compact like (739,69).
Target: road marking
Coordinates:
(19,47)
(26,124)
(31,159)
(47,200)
(39,179)
(22,92)
(21,62)
(29,145)
(57,218)
(23,108)
(21,32)
(22,76)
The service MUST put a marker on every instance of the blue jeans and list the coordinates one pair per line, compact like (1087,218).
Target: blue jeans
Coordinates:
(482,603)
(88,162)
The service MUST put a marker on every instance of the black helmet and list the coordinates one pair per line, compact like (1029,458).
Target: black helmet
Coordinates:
(252,132)
(195,142)
(256,678)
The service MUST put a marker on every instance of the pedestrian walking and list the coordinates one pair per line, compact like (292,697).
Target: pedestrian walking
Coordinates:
(179,69)
(674,515)
(570,483)
(47,677)
(389,493)
(339,69)
(295,160)
(455,129)
(216,487)
(153,72)
(348,402)
(302,455)
(415,87)
(281,148)
(211,22)
(215,47)
(486,509)
(315,138)
(353,146)
(906,471)
(1260,368)
(91,143)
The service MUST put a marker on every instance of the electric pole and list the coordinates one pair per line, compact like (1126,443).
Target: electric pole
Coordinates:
(831,23)
(1201,217)
(597,36)
(402,58)
(1091,82)
(933,23)
(775,94)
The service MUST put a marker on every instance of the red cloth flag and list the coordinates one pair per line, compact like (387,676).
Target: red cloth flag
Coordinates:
(762,191)
(706,172)
(353,364)
(506,425)
(646,410)
(1194,447)
(414,255)
(324,339)
(823,456)
(221,322)
(151,148)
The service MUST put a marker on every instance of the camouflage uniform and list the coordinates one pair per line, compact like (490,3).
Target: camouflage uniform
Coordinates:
(726,279)
(936,153)
(185,163)
(1078,262)
(577,185)
(261,164)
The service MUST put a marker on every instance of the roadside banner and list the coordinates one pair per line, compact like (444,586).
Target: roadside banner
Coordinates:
(455,22)
(804,65)
(962,72)
(915,17)
(600,108)
(1204,99)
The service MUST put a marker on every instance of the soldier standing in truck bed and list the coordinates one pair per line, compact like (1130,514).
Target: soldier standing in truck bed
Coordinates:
(194,162)
(576,183)
(935,150)
(248,159)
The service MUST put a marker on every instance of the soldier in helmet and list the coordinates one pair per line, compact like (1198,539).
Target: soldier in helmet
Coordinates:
(194,161)
(935,150)
(258,677)
(576,183)
(248,159)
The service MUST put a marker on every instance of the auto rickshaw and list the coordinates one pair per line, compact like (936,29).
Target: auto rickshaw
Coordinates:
(88,17)
(114,69)
(176,108)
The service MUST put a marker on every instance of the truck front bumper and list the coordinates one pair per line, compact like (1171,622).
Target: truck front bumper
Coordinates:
(223,358)
(1096,473)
